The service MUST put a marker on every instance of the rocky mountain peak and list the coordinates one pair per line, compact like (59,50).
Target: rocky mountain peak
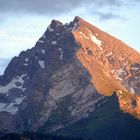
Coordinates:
(77,19)
(55,23)
(66,76)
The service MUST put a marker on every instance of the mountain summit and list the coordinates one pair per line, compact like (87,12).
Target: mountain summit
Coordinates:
(66,77)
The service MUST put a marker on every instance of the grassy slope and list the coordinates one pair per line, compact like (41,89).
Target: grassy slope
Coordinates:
(108,123)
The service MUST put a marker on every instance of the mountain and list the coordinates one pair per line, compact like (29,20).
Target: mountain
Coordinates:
(68,77)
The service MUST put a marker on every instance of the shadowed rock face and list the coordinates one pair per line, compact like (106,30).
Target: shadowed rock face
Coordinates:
(66,76)
(47,85)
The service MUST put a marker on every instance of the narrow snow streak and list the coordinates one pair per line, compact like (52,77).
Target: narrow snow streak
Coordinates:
(12,84)
(40,41)
(12,107)
(54,42)
(42,64)
(61,54)
(27,59)
(50,29)
(25,64)
(74,27)
(43,51)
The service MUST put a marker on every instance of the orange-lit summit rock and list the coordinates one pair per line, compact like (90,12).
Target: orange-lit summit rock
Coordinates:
(113,65)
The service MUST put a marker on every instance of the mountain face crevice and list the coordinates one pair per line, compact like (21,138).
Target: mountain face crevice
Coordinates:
(66,76)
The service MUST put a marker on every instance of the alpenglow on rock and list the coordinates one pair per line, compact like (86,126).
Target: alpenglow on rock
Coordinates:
(67,76)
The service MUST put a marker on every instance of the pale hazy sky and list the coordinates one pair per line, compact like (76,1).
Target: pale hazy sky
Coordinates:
(22,22)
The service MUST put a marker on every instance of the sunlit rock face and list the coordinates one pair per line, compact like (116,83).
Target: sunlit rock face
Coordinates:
(112,64)
(66,76)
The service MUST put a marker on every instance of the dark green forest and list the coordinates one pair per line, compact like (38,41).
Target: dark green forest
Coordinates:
(35,136)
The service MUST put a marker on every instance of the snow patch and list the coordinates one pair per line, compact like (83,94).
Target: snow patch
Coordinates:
(109,54)
(25,64)
(74,27)
(12,84)
(84,35)
(61,54)
(50,29)
(27,59)
(135,68)
(132,90)
(54,42)
(40,41)
(19,100)
(43,51)
(42,64)
(12,107)
(2,105)
(57,33)
(96,41)
(44,36)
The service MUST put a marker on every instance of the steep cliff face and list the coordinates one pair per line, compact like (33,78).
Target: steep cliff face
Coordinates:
(47,86)
(66,77)
(113,65)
